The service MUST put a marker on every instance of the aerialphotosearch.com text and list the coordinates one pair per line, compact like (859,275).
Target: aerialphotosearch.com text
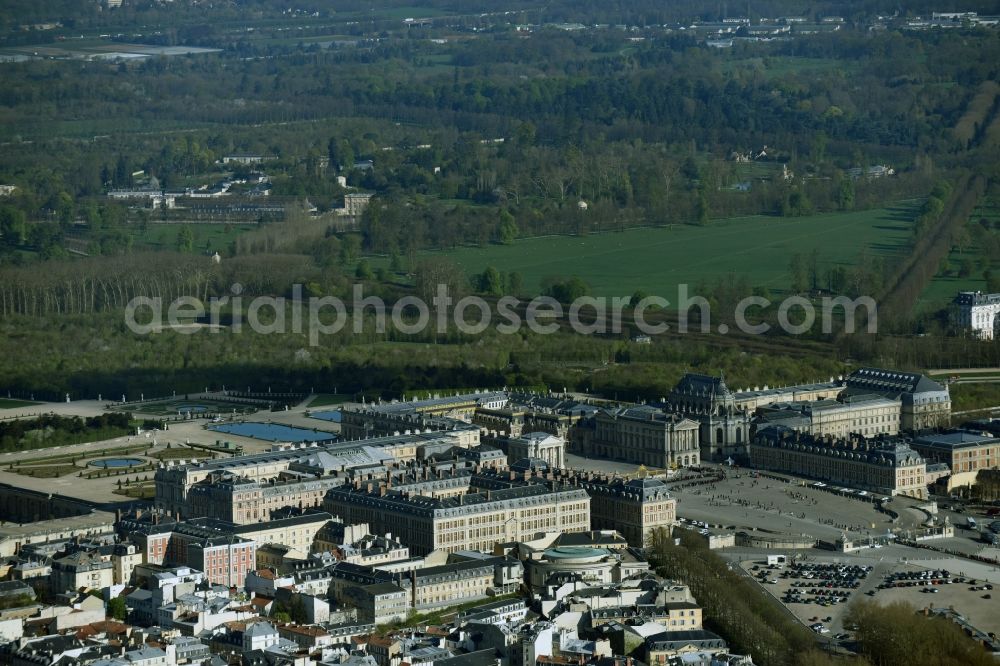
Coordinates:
(318,316)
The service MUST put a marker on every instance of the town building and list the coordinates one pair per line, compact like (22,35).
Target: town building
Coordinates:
(750,400)
(449,413)
(660,647)
(224,557)
(537,445)
(864,414)
(472,521)
(248,488)
(81,570)
(530,412)
(581,566)
(634,507)
(883,465)
(355,203)
(644,435)
(243,158)
(965,452)
(925,403)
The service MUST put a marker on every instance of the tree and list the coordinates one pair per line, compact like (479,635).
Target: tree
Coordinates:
(565,291)
(436,272)
(508,228)
(702,207)
(896,635)
(797,269)
(297,611)
(185,239)
(992,281)
(515,283)
(490,282)
(13,228)
(845,194)
(340,154)
(117,608)
(350,248)
(796,204)
(364,270)
(818,149)
(814,269)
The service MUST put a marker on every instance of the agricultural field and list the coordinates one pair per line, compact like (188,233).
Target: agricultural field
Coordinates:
(657,260)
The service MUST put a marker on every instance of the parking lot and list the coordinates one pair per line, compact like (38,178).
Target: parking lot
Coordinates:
(819,589)
(817,592)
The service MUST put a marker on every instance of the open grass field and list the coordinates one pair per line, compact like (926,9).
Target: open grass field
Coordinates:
(7,403)
(658,260)
(208,237)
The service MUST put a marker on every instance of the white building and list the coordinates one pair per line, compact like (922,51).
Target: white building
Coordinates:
(977,312)
(540,445)
(355,203)
(259,636)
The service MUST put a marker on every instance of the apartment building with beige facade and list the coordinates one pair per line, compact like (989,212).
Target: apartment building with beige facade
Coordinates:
(472,521)
(883,465)
(866,415)
(635,508)
(248,488)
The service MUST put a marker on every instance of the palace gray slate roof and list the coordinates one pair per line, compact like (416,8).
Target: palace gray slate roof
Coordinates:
(877,380)
(697,384)
(976,298)
(949,441)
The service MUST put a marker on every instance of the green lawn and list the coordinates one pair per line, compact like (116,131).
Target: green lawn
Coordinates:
(7,403)
(45,471)
(207,237)
(965,397)
(942,288)
(327,399)
(658,260)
